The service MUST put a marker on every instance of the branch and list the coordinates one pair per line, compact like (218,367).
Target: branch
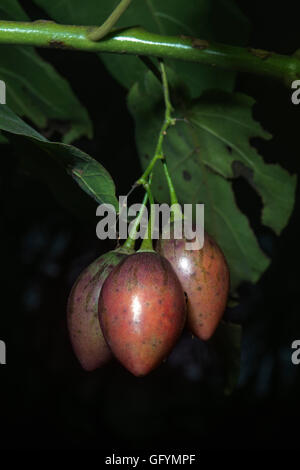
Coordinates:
(136,41)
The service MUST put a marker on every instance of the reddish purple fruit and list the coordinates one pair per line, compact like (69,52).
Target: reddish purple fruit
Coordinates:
(86,336)
(142,311)
(204,275)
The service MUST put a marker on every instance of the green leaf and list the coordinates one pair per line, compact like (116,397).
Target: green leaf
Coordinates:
(225,125)
(227,341)
(89,174)
(204,151)
(213,20)
(33,164)
(35,90)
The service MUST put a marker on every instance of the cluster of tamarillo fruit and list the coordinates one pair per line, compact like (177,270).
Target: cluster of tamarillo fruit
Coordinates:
(134,305)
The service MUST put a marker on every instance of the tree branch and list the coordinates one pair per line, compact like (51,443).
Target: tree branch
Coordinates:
(137,41)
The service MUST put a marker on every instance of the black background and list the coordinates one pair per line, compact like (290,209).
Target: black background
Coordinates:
(46,400)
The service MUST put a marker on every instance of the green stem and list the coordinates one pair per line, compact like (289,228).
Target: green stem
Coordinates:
(168,105)
(107,26)
(147,186)
(159,155)
(136,41)
(173,196)
(147,244)
(168,121)
(130,242)
(176,209)
(143,179)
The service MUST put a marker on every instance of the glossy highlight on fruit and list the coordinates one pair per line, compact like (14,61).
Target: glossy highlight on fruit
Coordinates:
(85,332)
(204,275)
(142,311)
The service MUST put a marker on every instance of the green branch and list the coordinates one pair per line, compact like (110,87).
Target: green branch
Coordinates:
(136,41)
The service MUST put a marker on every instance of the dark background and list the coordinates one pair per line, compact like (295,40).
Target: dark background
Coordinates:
(46,400)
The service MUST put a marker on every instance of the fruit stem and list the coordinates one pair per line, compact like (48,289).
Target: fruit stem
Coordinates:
(168,121)
(173,196)
(171,121)
(176,213)
(159,155)
(169,107)
(106,27)
(147,244)
(130,242)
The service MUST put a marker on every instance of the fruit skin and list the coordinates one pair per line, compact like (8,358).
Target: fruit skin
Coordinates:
(142,311)
(205,278)
(86,335)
